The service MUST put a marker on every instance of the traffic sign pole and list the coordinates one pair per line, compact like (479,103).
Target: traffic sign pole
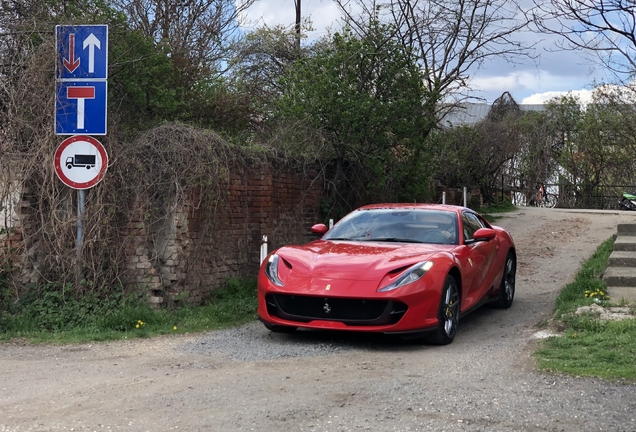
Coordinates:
(80,107)
(81,195)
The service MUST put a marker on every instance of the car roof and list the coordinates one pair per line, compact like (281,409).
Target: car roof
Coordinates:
(415,206)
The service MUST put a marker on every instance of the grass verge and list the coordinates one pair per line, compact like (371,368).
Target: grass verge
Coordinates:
(494,211)
(590,347)
(54,321)
(498,207)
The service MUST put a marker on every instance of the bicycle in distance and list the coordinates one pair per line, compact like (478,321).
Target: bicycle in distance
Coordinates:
(543,198)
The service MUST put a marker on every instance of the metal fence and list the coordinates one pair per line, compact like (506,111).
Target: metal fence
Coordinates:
(523,192)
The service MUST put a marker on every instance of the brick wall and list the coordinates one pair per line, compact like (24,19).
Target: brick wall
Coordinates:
(213,237)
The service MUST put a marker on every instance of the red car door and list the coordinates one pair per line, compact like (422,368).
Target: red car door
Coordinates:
(477,260)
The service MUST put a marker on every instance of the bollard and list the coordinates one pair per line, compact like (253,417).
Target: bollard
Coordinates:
(263,249)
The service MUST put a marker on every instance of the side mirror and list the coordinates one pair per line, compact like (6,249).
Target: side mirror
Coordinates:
(484,234)
(319,229)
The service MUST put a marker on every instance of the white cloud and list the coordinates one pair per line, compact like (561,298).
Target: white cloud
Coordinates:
(585,96)
(526,85)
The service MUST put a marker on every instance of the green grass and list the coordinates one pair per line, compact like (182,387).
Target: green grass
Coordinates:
(76,322)
(590,347)
(493,211)
(499,207)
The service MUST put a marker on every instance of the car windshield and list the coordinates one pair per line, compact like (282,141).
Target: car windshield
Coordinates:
(397,225)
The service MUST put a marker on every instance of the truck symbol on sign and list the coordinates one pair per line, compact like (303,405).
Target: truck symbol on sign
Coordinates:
(80,160)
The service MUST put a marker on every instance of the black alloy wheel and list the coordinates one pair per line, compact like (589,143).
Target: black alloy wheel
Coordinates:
(507,286)
(447,315)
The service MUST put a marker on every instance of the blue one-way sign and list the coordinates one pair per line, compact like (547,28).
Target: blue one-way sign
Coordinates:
(82,52)
(81,72)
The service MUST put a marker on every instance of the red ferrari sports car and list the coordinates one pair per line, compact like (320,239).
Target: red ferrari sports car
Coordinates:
(408,269)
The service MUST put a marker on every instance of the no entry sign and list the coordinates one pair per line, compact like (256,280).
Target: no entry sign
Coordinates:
(81,162)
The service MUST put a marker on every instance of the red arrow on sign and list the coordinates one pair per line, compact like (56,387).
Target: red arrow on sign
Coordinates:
(72,63)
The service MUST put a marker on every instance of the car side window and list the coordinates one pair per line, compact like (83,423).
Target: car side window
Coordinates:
(471,223)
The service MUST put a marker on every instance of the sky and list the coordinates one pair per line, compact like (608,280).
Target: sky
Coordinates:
(556,72)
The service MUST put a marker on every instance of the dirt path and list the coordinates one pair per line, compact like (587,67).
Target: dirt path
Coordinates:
(484,381)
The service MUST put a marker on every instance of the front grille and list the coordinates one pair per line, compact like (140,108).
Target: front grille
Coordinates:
(348,311)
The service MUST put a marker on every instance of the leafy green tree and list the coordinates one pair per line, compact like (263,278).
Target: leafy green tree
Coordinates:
(593,143)
(536,160)
(259,62)
(144,84)
(366,97)
(478,155)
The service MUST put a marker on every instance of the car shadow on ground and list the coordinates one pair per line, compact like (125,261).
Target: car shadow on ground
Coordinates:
(253,342)
(476,321)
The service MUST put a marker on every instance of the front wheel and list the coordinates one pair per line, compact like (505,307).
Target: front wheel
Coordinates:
(447,315)
(507,286)
(550,201)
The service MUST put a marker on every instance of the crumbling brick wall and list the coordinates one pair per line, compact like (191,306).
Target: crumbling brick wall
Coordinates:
(206,241)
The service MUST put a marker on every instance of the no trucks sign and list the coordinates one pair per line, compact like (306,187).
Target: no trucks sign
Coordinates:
(80,162)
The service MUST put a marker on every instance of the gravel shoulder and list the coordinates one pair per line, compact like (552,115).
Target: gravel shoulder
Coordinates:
(250,379)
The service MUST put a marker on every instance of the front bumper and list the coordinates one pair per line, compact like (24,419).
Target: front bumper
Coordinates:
(351,312)
(401,311)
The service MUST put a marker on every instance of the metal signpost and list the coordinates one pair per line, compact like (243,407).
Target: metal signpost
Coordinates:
(80,108)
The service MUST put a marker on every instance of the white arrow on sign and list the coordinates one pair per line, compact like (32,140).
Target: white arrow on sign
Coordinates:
(91,42)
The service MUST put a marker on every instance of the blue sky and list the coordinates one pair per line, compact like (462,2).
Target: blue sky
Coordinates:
(556,72)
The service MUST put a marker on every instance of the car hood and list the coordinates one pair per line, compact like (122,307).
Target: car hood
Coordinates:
(359,260)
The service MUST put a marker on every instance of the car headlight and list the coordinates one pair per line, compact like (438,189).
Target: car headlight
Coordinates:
(412,274)
(271,270)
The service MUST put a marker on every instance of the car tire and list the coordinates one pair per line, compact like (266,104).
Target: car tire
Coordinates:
(507,286)
(280,329)
(447,315)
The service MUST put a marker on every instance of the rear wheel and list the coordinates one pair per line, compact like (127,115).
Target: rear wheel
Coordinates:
(447,314)
(507,286)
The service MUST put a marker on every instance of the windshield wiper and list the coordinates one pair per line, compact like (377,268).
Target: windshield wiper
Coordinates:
(393,239)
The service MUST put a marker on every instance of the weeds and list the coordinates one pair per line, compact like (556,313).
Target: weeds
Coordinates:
(51,314)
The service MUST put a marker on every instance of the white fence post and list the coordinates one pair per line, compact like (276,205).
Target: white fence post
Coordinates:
(263,248)
(330,223)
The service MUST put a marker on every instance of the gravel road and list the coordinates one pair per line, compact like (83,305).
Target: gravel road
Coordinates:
(248,379)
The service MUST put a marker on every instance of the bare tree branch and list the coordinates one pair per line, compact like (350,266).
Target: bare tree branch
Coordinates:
(198,33)
(604,28)
(451,40)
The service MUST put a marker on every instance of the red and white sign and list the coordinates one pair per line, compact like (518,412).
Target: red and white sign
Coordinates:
(80,162)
